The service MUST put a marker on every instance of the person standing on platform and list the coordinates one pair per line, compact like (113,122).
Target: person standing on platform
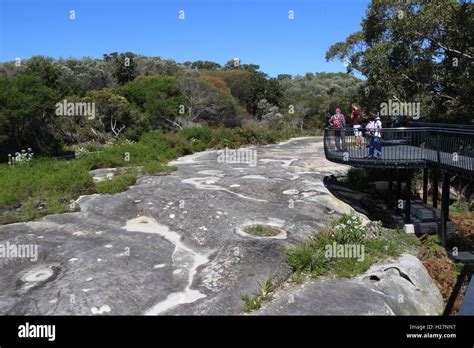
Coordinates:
(338,123)
(374,129)
(356,116)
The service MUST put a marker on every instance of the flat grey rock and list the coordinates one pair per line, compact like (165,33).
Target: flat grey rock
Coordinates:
(402,287)
(168,245)
(327,297)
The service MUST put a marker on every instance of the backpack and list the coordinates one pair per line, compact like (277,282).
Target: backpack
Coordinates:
(371,127)
(337,122)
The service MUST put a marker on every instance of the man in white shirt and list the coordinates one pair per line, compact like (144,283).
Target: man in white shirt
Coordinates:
(378,138)
(375,134)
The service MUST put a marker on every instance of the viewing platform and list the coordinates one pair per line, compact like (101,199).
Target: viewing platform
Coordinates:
(445,150)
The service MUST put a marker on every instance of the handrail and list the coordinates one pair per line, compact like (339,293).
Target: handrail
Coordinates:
(415,129)
(411,147)
(446,150)
(418,124)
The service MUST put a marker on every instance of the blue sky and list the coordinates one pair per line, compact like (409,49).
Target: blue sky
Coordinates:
(255,31)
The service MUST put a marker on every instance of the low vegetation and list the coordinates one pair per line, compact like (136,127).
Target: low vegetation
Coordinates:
(460,206)
(117,184)
(262,230)
(264,293)
(315,257)
(346,248)
(35,187)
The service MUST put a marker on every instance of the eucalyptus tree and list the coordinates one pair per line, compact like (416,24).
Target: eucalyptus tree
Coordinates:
(415,50)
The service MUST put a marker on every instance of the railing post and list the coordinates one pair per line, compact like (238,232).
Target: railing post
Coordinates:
(399,188)
(343,141)
(437,149)
(408,196)
(435,187)
(390,190)
(444,207)
(425,185)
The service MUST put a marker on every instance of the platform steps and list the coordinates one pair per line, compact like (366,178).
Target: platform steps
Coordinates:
(425,219)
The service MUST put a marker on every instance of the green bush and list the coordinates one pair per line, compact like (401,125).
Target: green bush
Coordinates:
(460,206)
(227,137)
(310,257)
(300,258)
(202,134)
(348,230)
(179,144)
(116,184)
(357,178)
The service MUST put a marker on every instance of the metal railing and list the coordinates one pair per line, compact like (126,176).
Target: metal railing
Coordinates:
(449,149)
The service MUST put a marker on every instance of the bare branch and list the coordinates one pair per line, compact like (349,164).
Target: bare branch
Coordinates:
(174,123)
(446,48)
(113,125)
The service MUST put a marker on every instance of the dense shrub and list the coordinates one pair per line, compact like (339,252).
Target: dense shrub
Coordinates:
(179,144)
(311,256)
(357,178)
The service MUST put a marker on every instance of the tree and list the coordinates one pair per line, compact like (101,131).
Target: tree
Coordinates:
(78,76)
(282,77)
(113,112)
(124,67)
(270,113)
(251,86)
(150,66)
(308,100)
(216,82)
(273,91)
(10,68)
(45,69)
(240,85)
(206,102)
(420,50)
(205,65)
(158,97)
(26,112)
